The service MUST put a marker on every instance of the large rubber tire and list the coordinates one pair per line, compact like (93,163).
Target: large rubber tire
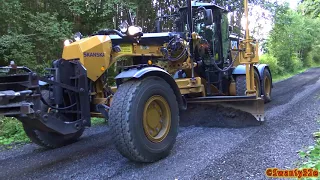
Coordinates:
(266,86)
(50,140)
(241,84)
(126,119)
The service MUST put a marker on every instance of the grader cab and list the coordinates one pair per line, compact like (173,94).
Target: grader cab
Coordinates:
(197,61)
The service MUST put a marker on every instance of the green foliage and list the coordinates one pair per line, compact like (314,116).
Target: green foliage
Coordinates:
(98,121)
(293,40)
(32,32)
(313,56)
(272,62)
(311,156)
(11,131)
(297,63)
(310,8)
(30,38)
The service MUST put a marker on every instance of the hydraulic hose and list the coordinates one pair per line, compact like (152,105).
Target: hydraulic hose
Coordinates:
(214,62)
(108,32)
(184,52)
(64,108)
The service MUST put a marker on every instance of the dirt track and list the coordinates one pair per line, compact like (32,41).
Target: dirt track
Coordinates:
(212,144)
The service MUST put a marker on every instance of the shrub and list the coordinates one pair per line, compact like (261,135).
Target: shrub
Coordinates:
(272,62)
(11,130)
(309,60)
(296,64)
(311,156)
(313,57)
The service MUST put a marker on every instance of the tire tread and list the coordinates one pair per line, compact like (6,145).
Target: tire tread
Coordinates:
(119,121)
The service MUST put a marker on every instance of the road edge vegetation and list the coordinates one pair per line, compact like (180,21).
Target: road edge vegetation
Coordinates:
(12,133)
(310,156)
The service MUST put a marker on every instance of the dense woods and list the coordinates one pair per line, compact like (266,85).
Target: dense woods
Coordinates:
(32,32)
(293,42)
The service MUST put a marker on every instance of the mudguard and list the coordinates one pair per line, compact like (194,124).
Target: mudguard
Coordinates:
(241,70)
(42,83)
(141,72)
(261,68)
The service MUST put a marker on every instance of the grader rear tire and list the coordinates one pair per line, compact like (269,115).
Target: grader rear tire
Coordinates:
(241,84)
(266,86)
(144,119)
(50,140)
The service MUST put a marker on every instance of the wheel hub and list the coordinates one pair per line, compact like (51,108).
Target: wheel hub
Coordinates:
(156,118)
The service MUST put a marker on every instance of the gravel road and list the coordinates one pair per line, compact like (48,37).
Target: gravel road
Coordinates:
(212,144)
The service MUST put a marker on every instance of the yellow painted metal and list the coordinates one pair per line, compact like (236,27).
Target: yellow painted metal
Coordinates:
(188,86)
(100,101)
(213,88)
(137,50)
(195,36)
(97,115)
(249,56)
(232,89)
(93,52)
(113,88)
(255,107)
(99,88)
(156,118)
(96,55)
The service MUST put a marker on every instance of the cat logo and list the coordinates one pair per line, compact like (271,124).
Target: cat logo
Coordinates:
(93,54)
(234,44)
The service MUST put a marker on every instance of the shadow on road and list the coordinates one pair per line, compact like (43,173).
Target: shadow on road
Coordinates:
(216,116)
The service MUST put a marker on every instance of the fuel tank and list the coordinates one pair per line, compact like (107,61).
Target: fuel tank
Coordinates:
(93,53)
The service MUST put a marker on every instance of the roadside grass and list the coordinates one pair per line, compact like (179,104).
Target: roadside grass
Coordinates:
(277,78)
(11,131)
(310,156)
(98,121)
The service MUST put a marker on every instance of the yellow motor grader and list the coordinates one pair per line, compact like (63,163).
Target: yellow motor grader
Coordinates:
(198,61)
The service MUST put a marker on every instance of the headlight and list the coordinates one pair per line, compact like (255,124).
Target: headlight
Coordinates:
(133,30)
(124,27)
(67,42)
(77,36)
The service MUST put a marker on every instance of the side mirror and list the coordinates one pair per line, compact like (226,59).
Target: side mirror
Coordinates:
(77,36)
(208,17)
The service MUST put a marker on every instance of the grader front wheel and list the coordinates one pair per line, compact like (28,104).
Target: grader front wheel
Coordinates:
(144,119)
(50,140)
